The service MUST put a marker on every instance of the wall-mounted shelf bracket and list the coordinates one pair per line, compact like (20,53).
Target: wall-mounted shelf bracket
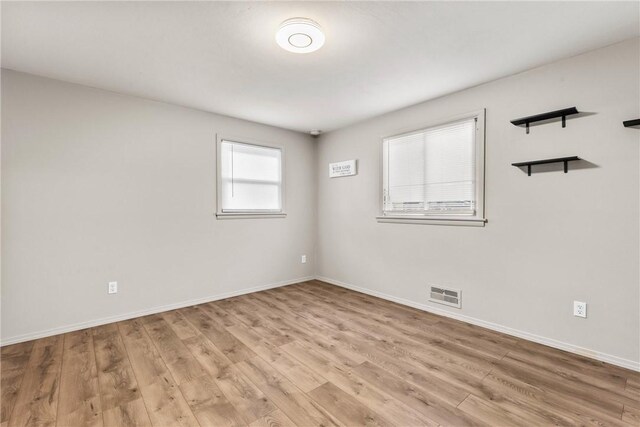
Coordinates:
(631,123)
(564,160)
(546,116)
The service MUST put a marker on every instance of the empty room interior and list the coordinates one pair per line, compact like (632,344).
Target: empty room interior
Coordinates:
(320,213)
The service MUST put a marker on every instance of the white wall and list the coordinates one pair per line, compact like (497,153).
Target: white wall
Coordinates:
(551,238)
(98,186)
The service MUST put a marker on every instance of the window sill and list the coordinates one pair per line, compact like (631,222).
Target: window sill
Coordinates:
(465,222)
(239,215)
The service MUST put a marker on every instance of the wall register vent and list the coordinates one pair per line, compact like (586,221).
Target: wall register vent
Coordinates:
(446,296)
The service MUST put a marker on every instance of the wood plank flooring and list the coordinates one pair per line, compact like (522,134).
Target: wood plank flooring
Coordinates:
(310,354)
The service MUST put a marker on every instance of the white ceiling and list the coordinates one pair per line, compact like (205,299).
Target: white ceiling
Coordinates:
(379,56)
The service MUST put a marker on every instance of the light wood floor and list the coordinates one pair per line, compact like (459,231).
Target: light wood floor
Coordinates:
(307,354)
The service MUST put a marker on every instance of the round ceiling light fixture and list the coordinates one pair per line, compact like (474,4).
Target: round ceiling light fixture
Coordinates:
(300,35)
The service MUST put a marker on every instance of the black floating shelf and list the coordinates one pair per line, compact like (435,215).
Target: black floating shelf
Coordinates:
(564,160)
(631,123)
(546,116)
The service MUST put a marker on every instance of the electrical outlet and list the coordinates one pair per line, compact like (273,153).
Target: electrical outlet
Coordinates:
(113,287)
(580,309)
(303,259)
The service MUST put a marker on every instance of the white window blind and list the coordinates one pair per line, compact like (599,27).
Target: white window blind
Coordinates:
(432,171)
(251,178)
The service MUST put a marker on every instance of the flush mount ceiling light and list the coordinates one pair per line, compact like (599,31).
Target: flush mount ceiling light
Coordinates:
(300,35)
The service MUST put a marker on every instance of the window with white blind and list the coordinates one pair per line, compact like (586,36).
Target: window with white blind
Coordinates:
(249,179)
(437,172)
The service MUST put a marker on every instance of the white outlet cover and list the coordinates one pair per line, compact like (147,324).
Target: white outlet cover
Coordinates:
(580,309)
(113,287)
(303,259)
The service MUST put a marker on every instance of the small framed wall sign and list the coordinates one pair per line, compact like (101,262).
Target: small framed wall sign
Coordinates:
(346,168)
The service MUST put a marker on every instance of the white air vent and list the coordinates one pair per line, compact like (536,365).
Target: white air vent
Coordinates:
(446,296)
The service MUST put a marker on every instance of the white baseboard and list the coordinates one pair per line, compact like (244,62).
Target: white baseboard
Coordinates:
(603,357)
(103,321)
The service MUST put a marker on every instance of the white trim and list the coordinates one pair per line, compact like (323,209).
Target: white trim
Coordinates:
(406,219)
(593,354)
(480,148)
(604,357)
(407,130)
(120,317)
(248,214)
(228,215)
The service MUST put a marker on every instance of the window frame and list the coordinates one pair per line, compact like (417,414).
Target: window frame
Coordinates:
(479,218)
(248,213)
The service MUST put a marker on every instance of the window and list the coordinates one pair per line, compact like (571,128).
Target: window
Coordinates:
(249,179)
(436,173)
